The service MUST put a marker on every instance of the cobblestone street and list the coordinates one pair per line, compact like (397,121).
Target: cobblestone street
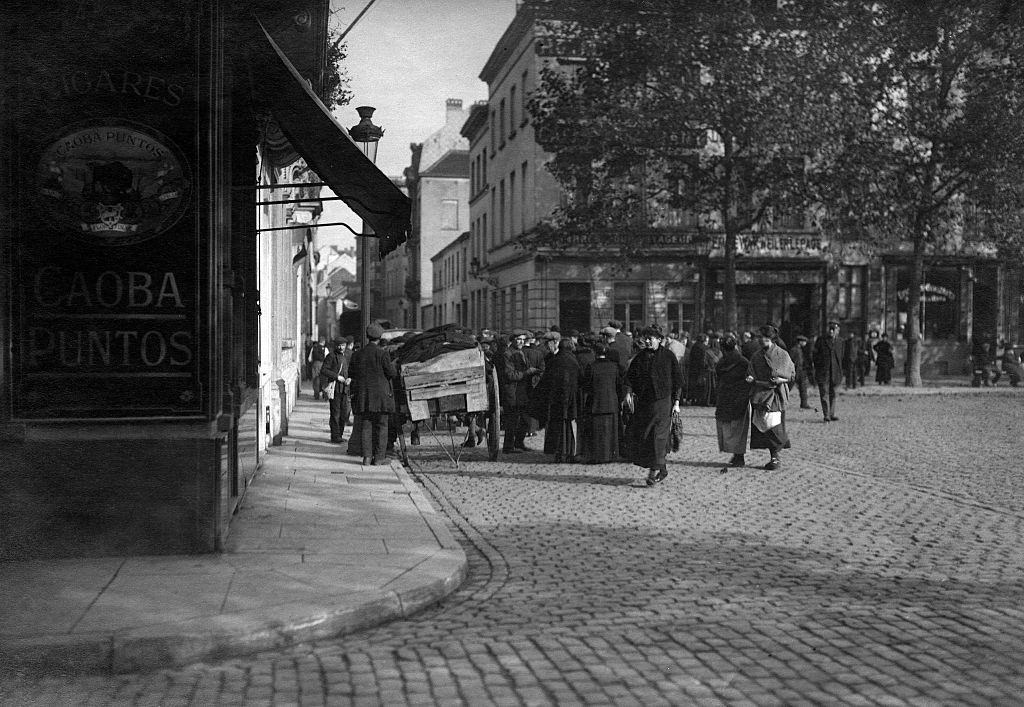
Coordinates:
(882,564)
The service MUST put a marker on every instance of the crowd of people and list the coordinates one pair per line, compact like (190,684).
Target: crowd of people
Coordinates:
(615,395)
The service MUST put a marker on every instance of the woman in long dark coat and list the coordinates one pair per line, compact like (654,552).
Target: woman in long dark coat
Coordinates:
(884,361)
(732,406)
(653,382)
(697,371)
(602,388)
(559,393)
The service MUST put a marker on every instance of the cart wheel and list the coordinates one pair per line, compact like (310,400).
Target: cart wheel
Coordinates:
(494,420)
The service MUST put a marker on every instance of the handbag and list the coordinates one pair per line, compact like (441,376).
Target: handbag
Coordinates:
(329,389)
(677,430)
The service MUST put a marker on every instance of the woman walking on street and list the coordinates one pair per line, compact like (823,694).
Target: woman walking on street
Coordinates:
(654,384)
(602,388)
(732,409)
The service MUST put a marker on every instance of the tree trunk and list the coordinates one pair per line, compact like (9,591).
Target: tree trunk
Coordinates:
(912,332)
(729,225)
(729,286)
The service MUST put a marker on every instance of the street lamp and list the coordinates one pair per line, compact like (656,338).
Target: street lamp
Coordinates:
(366,135)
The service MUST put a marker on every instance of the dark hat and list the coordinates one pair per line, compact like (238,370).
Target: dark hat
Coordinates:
(350,339)
(831,323)
(555,327)
(768,330)
(801,337)
(652,331)
(374,331)
(574,332)
(552,336)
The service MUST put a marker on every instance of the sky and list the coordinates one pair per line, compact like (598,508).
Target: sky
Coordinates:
(406,58)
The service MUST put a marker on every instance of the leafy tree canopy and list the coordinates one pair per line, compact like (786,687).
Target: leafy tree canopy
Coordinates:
(711,107)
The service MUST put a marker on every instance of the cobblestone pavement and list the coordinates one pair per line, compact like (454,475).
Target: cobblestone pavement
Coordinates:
(883,564)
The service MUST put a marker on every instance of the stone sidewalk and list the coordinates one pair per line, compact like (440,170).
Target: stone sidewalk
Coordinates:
(321,546)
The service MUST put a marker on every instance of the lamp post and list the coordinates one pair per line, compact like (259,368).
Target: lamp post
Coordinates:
(366,135)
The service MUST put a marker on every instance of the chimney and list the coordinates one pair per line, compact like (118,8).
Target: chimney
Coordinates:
(453,108)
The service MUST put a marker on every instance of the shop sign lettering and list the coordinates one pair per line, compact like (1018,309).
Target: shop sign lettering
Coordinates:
(131,320)
(929,293)
(112,185)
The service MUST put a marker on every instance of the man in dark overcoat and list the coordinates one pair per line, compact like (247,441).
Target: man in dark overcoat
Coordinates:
(315,357)
(335,368)
(828,369)
(371,372)
(517,386)
(797,353)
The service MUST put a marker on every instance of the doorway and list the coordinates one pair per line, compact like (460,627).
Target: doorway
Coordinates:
(786,306)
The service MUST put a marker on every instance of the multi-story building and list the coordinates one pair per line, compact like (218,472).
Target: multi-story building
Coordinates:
(450,268)
(788,272)
(438,185)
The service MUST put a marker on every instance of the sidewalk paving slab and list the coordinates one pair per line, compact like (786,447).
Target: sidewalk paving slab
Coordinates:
(321,546)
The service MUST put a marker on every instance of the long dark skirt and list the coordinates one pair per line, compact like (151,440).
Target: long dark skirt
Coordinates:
(560,439)
(601,435)
(648,434)
(732,434)
(773,439)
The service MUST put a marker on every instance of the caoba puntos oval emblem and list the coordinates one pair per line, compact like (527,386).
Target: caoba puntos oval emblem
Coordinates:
(113,183)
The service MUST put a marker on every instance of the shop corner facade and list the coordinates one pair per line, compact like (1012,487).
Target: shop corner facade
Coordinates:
(153,302)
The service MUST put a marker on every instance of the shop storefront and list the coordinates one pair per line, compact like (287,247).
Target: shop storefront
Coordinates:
(131,322)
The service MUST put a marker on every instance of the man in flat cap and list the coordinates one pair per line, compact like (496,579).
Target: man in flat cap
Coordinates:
(516,389)
(610,336)
(335,371)
(769,373)
(371,372)
(828,369)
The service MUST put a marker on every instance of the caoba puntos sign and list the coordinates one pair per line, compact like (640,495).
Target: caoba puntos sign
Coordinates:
(111,246)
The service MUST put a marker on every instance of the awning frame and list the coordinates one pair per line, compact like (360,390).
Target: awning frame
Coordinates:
(327,147)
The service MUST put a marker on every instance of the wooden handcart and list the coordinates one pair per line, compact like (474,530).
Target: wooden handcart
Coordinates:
(453,383)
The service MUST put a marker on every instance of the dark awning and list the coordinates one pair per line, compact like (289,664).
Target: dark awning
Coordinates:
(328,149)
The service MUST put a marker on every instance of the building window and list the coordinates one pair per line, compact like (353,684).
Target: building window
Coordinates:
(511,202)
(512,112)
(681,308)
(939,311)
(450,214)
(522,197)
(522,112)
(850,293)
(501,211)
(525,321)
(501,123)
(493,132)
(574,306)
(494,207)
(629,304)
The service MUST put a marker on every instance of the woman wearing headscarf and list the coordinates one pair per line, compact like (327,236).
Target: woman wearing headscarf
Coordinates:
(654,383)
(602,388)
(732,407)
(769,373)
